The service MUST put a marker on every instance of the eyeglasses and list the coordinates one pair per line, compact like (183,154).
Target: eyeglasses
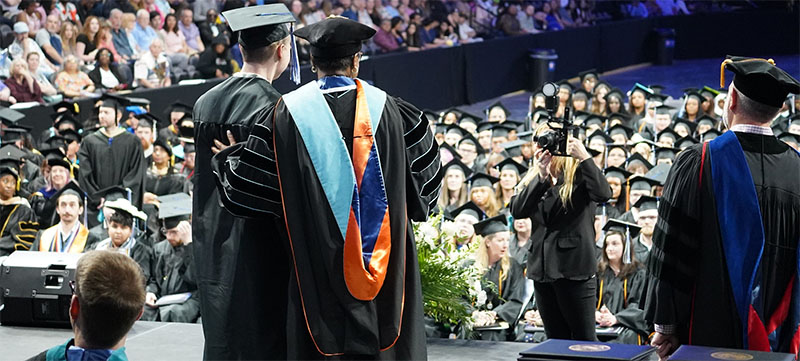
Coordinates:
(72,286)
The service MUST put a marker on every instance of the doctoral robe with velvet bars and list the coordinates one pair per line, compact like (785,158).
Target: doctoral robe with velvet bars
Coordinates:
(697,276)
(273,175)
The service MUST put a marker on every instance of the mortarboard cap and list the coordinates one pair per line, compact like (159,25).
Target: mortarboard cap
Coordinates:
(497,104)
(176,107)
(470,139)
(55,157)
(709,92)
(65,106)
(11,135)
(580,116)
(148,120)
(666,153)
(591,73)
(663,109)
(637,158)
(70,136)
(616,225)
(659,98)
(441,128)
(646,203)
(189,148)
(514,147)
(686,142)
(617,172)
(10,117)
(601,134)
(470,209)
(501,130)
(163,143)
(11,152)
(615,93)
(705,119)
(482,127)
(112,193)
(68,119)
(620,129)
(526,137)
(657,88)
(511,164)
(659,173)
(760,80)
(580,93)
(468,118)
(335,37)
(113,101)
(72,188)
(125,206)
(624,118)
(455,129)
(491,226)
(174,208)
(642,183)
(641,88)
(668,132)
(457,112)
(259,26)
(481,180)
(595,119)
(564,84)
(457,164)
(690,126)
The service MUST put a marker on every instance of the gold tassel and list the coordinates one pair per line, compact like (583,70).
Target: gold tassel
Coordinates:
(730,61)
(71,169)
(627,195)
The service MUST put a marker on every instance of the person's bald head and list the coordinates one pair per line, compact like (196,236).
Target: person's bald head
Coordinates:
(156,47)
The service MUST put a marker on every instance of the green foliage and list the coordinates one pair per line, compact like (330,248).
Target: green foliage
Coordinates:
(448,279)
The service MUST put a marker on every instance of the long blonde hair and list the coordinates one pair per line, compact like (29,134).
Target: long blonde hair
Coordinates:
(565,166)
(492,207)
(444,195)
(482,258)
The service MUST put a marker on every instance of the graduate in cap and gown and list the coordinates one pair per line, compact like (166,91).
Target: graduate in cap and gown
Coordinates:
(454,185)
(69,234)
(59,174)
(162,177)
(620,285)
(240,315)
(122,225)
(173,265)
(111,156)
(18,220)
(503,279)
(465,217)
(354,289)
(643,241)
(176,112)
(733,280)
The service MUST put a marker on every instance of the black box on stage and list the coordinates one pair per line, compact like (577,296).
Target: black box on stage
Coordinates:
(35,288)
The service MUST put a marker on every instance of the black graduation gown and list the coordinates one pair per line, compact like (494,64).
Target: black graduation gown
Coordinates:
(45,209)
(18,227)
(162,185)
(409,159)
(517,253)
(141,253)
(240,315)
(641,252)
(107,162)
(167,134)
(687,263)
(508,299)
(627,310)
(173,272)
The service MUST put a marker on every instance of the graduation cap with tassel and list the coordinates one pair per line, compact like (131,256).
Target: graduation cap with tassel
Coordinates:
(260,26)
(624,228)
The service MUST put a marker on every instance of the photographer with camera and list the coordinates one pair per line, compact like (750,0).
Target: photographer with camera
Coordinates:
(560,195)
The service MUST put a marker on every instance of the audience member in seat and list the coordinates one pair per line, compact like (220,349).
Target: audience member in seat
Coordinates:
(22,85)
(215,62)
(103,309)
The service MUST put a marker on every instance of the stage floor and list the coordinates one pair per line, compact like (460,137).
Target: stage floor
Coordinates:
(181,341)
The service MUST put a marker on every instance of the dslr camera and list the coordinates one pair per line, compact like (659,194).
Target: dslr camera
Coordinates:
(555,141)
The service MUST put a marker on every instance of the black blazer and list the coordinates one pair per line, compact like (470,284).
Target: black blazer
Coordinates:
(562,245)
(96,78)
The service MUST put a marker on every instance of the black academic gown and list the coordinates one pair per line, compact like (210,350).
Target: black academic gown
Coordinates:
(505,297)
(19,227)
(319,300)
(622,297)
(641,252)
(107,162)
(689,278)
(517,253)
(241,317)
(172,273)
(169,135)
(161,185)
